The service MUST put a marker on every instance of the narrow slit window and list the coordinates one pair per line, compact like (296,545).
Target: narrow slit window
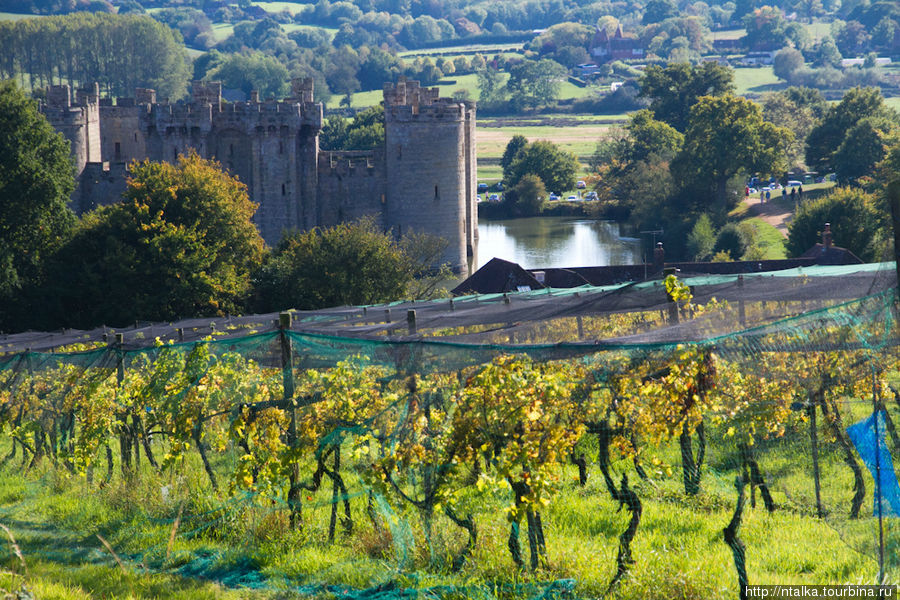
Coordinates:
(437,196)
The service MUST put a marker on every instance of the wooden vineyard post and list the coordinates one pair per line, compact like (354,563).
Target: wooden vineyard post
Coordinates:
(814,440)
(893,193)
(287,372)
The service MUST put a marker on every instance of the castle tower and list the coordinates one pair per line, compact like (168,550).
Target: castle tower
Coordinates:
(429,162)
(78,121)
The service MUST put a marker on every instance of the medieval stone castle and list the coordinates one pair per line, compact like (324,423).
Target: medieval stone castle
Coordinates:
(423,179)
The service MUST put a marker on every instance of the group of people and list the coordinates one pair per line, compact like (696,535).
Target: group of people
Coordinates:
(766,195)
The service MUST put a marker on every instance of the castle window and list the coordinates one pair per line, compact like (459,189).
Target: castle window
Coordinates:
(399,152)
(135,136)
(383,199)
(175,153)
(118,151)
(282,190)
(231,149)
(437,196)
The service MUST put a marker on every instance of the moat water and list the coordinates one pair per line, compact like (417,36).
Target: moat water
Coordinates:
(556,242)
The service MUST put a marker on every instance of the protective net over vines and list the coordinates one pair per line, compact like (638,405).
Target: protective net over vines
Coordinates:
(683,435)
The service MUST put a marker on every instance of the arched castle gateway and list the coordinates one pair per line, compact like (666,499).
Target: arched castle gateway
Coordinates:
(423,179)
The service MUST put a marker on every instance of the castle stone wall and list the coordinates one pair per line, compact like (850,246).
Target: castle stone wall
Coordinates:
(423,180)
(351,186)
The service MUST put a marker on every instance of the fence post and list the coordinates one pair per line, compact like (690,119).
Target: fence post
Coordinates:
(287,374)
(411,322)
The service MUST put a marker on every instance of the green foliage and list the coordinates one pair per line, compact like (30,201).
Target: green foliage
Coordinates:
(101,47)
(826,138)
(767,27)
(863,147)
(731,240)
(856,223)
(528,197)
(727,135)
(348,264)
(535,83)
(554,166)
(787,60)
(36,179)
(365,132)
(249,72)
(702,239)
(675,88)
(791,110)
(515,144)
(181,243)
(648,137)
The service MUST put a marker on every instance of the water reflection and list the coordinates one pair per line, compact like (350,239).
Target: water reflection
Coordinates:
(556,242)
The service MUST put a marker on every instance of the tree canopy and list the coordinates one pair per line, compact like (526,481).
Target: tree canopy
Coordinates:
(348,264)
(180,244)
(727,135)
(856,223)
(675,88)
(554,166)
(36,179)
(858,157)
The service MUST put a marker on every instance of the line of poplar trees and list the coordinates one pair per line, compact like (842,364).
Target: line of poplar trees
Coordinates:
(118,52)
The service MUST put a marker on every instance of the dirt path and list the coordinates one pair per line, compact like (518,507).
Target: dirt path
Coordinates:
(777,212)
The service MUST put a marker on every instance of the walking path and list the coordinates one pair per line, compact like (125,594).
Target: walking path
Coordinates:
(774,212)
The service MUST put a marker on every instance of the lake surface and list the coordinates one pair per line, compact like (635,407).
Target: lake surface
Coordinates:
(555,242)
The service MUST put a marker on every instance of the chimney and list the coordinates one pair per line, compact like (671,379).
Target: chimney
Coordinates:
(659,257)
(826,236)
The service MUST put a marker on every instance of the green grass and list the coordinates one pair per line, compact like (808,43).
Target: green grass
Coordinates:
(678,548)
(893,102)
(728,34)
(756,80)
(222,31)
(277,7)
(768,238)
(508,50)
(5,16)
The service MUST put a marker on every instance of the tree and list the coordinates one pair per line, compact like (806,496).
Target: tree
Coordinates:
(659,10)
(825,139)
(348,264)
(365,132)
(36,179)
(788,109)
(702,239)
(787,60)
(253,72)
(535,83)
(515,144)
(528,196)
(554,166)
(725,136)
(180,244)
(856,224)
(675,88)
(490,84)
(864,146)
(648,137)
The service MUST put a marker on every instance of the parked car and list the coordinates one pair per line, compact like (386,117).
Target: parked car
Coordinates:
(572,198)
(591,196)
(553,197)
(482,188)
(494,198)
(580,185)
(794,183)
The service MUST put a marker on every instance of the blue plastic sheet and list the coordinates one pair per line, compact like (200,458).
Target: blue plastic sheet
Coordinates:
(875,454)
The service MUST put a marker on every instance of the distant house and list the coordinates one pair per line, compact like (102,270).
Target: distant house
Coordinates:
(758,57)
(618,47)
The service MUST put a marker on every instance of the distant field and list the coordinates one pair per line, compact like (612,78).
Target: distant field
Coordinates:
(726,34)
(5,16)
(222,31)
(277,7)
(581,140)
(893,102)
(289,27)
(755,80)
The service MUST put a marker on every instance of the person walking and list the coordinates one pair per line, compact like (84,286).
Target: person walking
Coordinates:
(768,195)
(784,193)
(800,193)
(793,193)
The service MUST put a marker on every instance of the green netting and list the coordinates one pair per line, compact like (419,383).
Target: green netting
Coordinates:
(576,443)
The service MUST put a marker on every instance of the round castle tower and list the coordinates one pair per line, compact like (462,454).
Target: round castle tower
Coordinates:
(429,161)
